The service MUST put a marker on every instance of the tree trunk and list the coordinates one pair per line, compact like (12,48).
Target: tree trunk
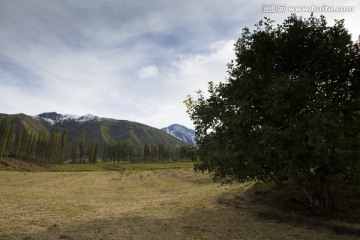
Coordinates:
(319,195)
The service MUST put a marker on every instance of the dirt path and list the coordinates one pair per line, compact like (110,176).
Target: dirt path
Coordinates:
(156,204)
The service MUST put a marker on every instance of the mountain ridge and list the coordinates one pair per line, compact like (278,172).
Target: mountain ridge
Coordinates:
(182,133)
(54,117)
(101,129)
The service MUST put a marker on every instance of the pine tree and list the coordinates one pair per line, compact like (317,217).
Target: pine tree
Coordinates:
(73,151)
(81,146)
(92,151)
(64,146)
(6,132)
(146,152)
(54,148)
(105,153)
(41,146)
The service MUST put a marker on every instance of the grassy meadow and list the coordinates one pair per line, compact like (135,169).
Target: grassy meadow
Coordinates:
(143,201)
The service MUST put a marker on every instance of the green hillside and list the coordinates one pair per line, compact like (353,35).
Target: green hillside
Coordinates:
(25,121)
(137,133)
(101,130)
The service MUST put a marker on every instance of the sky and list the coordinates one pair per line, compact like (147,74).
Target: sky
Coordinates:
(135,60)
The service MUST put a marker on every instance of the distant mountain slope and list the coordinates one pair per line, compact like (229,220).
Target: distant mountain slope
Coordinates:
(102,129)
(182,133)
(25,121)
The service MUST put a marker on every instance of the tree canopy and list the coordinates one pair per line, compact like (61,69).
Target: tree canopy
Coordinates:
(288,111)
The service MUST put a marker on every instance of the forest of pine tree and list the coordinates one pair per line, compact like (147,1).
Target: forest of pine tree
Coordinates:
(54,148)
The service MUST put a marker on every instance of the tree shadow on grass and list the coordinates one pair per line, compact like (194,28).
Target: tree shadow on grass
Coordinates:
(286,205)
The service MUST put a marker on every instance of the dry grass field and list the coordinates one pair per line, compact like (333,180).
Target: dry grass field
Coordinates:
(148,204)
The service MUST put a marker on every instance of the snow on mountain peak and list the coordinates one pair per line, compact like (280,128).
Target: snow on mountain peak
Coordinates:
(182,129)
(181,132)
(87,117)
(54,118)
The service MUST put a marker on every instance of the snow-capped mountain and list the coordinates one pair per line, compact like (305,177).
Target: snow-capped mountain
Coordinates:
(93,127)
(53,118)
(182,133)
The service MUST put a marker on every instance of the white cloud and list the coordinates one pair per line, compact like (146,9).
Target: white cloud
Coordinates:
(196,71)
(135,60)
(148,72)
(186,75)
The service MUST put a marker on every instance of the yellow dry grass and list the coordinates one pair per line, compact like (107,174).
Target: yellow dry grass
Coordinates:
(149,204)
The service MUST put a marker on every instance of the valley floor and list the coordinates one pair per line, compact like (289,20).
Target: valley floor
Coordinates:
(148,204)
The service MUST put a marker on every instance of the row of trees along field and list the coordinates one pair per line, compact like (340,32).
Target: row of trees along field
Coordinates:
(24,144)
(54,148)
